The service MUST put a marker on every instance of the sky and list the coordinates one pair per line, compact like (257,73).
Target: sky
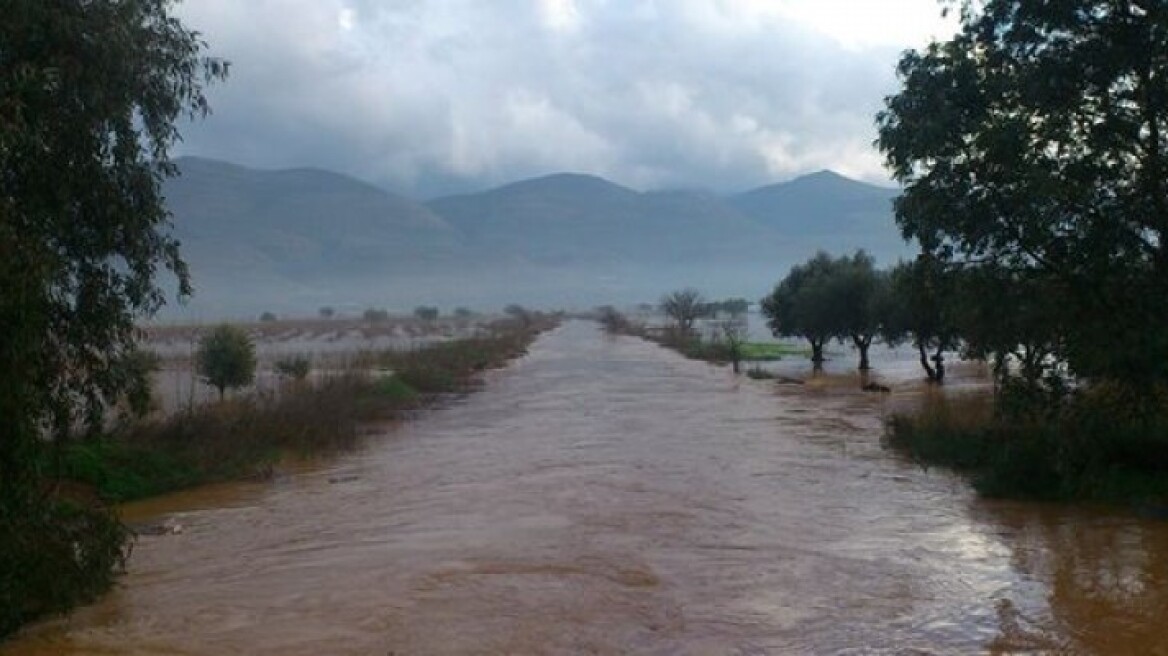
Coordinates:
(430,97)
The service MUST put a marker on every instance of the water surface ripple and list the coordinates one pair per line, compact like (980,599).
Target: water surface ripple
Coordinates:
(605,496)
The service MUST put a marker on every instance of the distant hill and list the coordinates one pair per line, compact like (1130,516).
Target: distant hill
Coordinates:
(567,219)
(308,237)
(826,208)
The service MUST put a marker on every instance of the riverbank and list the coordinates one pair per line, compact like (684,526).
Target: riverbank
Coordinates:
(612,497)
(64,545)
(246,437)
(725,345)
(1099,445)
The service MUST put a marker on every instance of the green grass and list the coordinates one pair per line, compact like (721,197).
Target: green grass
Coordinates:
(770,351)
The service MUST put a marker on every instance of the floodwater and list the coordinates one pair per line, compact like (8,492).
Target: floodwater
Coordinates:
(605,496)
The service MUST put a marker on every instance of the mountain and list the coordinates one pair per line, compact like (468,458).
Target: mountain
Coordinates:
(557,219)
(827,208)
(303,238)
(568,219)
(300,223)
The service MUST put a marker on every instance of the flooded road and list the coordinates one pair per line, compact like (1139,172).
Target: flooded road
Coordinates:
(605,496)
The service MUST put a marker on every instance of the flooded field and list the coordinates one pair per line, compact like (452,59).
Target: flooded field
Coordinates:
(329,344)
(606,496)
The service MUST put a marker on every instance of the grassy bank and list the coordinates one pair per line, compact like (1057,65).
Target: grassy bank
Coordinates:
(693,345)
(1104,445)
(246,437)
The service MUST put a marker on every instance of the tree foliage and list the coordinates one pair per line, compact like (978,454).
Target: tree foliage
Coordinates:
(732,306)
(226,358)
(921,309)
(426,313)
(90,91)
(684,306)
(1033,148)
(829,298)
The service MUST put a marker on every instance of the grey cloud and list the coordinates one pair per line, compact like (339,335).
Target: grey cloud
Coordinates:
(433,97)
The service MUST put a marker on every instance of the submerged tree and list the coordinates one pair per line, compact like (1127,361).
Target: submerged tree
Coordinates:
(90,91)
(1036,142)
(801,305)
(830,298)
(920,308)
(859,290)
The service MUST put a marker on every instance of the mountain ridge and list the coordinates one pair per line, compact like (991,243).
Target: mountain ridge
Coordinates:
(308,233)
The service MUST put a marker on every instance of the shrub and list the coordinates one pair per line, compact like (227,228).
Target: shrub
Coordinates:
(1102,443)
(294,367)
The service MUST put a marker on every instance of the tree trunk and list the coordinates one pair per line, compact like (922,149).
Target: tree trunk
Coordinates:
(862,343)
(929,371)
(816,354)
(938,366)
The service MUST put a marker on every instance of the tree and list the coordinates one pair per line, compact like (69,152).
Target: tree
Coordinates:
(327,312)
(684,307)
(375,315)
(90,91)
(733,334)
(226,358)
(267,317)
(426,313)
(1019,333)
(734,307)
(829,298)
(921,310)
(859,292)
(1036,142)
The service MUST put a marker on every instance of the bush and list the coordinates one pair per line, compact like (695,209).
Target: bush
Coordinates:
(1101,443)
(294,368)
(57,554)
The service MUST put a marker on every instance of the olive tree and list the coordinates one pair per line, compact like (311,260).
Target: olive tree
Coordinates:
(920,308)
(226,358)
(858,292)
(90,92)
(1036,141)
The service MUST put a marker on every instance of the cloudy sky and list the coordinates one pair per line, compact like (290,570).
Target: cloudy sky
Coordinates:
(426,97)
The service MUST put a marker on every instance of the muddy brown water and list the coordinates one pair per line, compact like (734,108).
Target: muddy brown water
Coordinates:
(604,496)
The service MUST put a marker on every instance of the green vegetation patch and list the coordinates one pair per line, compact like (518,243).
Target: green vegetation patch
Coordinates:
(771,351)
(1084,451)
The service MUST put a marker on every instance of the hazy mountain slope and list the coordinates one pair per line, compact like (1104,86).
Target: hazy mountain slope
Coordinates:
(302,238)
(302,224)
(819,203)
(558,219)
(567,219)
(828,211)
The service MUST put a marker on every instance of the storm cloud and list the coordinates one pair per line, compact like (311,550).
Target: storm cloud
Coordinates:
(431,97)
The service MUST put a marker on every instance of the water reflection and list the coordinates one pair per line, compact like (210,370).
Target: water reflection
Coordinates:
(1102,576)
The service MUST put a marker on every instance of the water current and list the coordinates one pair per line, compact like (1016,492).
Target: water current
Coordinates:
(605,496)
